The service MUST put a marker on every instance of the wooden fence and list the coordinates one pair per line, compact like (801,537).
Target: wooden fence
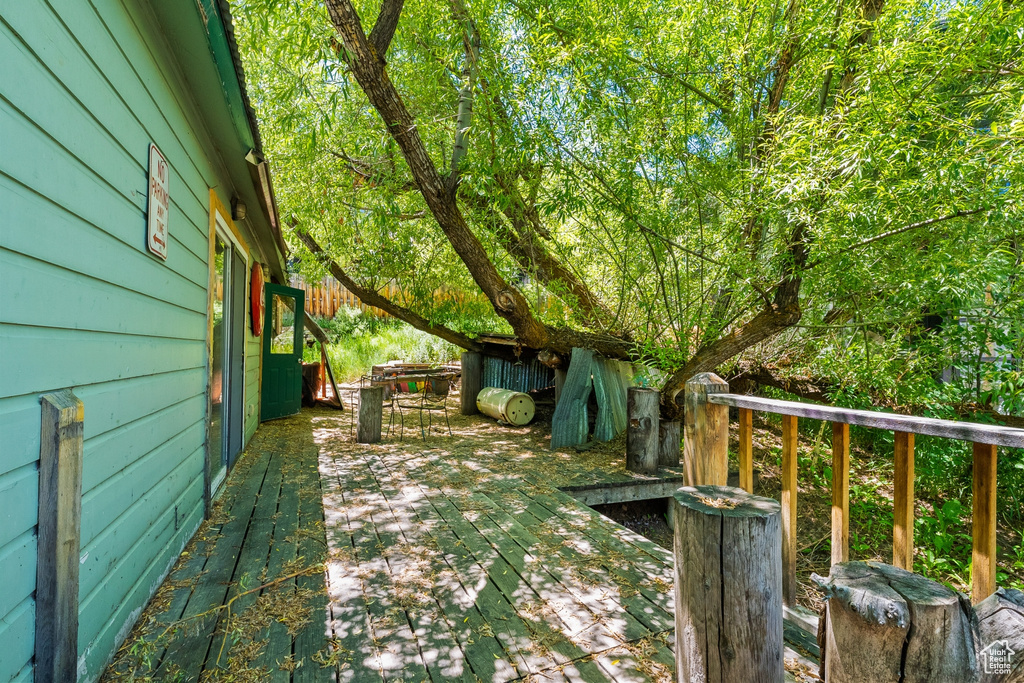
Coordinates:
(707,434)
(325,298)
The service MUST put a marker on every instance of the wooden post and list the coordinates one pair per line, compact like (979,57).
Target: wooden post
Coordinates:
(60,512)
(559,383)
(706,432)
(728,586)
(746,450)
(840,492)
(472,376)
(885,624)
(669,443)
(903,502)
(371,410)
(983,573)
(789,442)
(642,430)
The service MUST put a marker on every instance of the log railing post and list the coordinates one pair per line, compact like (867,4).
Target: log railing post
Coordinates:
(788,499)
(746,450)
(58,537)
(669,443)
(705,432)
(728,586)
(903,502)
(983,572)
(840,492)
(371,411)
(642,430)
(472,378)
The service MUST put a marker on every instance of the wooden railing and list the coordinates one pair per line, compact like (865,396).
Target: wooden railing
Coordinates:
(706,436)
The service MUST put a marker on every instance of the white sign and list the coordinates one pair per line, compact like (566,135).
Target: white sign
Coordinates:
(159,202)
(998,658)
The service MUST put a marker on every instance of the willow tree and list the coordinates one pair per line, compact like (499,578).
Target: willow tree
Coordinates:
(685,180)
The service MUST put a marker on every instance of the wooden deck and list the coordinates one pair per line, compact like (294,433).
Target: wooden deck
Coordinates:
(451,559)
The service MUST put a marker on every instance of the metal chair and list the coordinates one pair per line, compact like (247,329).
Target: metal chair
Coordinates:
(432,398)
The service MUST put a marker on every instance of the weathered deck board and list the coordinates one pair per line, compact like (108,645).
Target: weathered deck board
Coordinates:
(448,560)
(263,527)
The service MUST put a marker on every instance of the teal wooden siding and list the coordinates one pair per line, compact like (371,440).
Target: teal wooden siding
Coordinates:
(86,86)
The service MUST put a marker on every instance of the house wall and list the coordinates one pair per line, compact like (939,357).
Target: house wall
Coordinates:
(86,85)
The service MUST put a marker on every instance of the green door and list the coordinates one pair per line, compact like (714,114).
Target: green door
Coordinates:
(281,393)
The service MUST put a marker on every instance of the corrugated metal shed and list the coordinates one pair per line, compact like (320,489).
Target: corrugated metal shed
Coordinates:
(517,376)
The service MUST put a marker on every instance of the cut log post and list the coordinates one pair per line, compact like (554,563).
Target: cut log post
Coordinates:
(728,586)
(58,539)
(705,432)
(903,501)
(642,430)
(746,449)
(669,443)
(983,572)
(883,623)
(1000,636)
(472,376)
(371,410)
(840,492)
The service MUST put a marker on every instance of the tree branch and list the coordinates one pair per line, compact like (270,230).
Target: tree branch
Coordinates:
(384,30)
(374,298)
(907,228)
(471,44)
(369,72)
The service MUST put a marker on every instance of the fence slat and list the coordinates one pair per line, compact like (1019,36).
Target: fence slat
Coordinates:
(789,443)
(983,574)
(903,502)
(746,448)
(840,492)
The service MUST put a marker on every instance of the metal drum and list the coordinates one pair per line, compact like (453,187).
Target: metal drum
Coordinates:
(513,407)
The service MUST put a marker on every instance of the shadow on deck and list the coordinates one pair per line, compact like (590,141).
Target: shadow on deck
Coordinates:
(450,559)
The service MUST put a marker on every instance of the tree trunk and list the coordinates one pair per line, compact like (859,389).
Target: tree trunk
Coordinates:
(642,430)
(669,443)
(728,586)
(887,624)
(371,411)
(472,376)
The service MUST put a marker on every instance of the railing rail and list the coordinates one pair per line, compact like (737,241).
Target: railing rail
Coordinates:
(996,435)
(706,434)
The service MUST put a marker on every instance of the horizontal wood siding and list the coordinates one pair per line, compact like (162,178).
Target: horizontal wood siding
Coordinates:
(87,86)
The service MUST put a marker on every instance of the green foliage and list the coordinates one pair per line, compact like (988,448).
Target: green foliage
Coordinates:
(661,171)
(360,341)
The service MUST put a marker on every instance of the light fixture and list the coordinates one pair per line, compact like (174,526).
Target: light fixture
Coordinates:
(237,209)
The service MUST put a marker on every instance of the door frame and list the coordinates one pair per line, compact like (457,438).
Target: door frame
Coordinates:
(222,226)
(270,290)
